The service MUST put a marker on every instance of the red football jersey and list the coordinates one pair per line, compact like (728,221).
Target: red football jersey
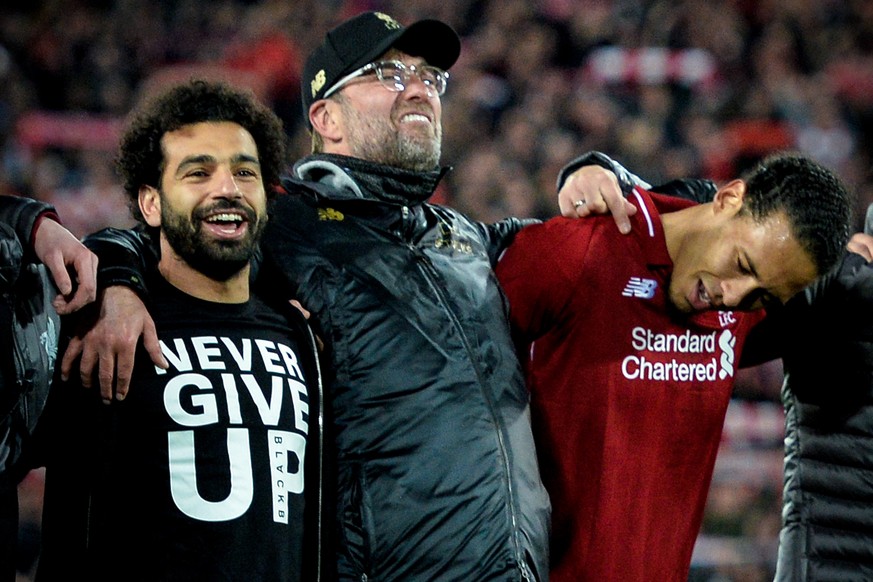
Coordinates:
(629,396)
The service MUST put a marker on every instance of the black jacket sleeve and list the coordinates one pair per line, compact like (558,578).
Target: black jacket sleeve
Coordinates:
(824,336)
(501,234)
(126,257)
(699,191)
(21,214)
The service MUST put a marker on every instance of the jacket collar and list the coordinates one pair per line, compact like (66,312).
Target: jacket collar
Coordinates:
(350,178)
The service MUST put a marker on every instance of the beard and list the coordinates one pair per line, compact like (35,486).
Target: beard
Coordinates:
(217,259)
(377,140)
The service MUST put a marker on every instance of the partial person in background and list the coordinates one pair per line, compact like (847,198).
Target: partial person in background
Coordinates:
(211,469)
(825,340)
(36,288)
(633,343)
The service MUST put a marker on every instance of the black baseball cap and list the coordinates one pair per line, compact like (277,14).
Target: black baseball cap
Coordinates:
(362,38)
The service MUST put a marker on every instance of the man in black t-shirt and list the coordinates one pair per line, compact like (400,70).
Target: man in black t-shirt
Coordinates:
(207,469)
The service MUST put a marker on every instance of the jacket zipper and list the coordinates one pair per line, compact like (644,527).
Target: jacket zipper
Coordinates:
(314,347)
(431,277)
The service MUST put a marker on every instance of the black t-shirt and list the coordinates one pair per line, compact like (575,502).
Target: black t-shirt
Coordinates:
(200,470)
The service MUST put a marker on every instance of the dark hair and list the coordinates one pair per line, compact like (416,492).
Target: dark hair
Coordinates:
(816,202)
(141,159)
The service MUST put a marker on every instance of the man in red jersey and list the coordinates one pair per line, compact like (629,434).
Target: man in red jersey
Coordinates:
(632,344)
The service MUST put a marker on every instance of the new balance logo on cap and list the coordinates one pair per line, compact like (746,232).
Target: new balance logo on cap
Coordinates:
(641,288)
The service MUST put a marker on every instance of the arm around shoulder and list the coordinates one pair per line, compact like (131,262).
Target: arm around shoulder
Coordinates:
(126,257)
(105,345)
(21,214)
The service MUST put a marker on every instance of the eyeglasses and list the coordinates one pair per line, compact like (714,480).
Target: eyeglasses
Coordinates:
(395,76)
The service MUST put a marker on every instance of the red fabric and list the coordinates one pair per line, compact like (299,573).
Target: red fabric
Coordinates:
(627,462)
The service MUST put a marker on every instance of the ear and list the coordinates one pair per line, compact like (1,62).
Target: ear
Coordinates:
(150,205)
(729,197)
(325,117)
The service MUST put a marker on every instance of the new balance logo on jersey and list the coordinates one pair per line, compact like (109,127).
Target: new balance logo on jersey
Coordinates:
(641,288)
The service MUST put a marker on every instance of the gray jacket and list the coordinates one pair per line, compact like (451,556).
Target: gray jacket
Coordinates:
(29,329)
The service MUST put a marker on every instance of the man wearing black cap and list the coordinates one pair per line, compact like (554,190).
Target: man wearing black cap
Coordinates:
(437,477)
(400,126)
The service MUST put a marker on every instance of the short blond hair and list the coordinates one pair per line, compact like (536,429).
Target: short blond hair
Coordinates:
(317,142)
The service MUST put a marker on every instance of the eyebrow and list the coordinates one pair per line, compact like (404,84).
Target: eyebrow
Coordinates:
(751,264)
(766,297)
(207,159)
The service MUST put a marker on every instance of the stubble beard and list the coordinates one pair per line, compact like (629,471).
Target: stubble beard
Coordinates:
(378,140)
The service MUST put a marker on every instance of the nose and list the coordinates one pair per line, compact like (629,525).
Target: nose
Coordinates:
(227,186)
(734,291)
(414,86)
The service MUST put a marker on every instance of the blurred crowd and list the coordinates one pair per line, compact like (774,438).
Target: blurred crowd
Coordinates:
(670,88)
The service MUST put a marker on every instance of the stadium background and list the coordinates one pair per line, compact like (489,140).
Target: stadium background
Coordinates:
(670,88)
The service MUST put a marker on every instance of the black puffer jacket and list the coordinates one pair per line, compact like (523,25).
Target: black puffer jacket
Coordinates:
(29,330)
(826,336)
(436,468)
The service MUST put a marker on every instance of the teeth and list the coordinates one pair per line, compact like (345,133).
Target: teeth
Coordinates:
(225,217)
(415,117)
(703,294)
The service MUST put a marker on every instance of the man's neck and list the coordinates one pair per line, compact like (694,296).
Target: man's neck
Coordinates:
(193,282)
(679,224)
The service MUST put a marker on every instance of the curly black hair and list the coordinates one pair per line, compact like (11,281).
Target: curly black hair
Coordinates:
(140,160)
(817,203)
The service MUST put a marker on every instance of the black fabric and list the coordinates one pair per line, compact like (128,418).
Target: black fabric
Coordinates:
(362,39)
(826,336)
(8,528)
(29,331)
(125,257)
(422,367)
(21,214)
(10,267)
(700,191)
(242,392)
(28,343)
(375,181)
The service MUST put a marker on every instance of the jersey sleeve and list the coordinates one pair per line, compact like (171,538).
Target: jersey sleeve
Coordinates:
(540,271)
